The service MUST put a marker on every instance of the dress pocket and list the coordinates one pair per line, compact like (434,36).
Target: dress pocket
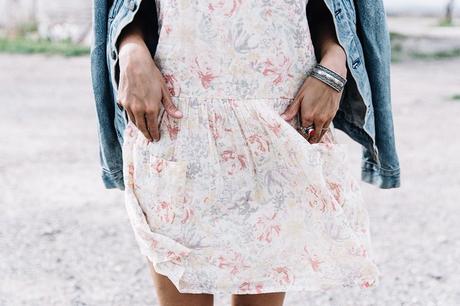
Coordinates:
(168,176)
(154,199)
(155,177)
(161,190)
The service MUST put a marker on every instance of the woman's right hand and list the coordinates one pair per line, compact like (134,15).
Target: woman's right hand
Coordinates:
(142,87)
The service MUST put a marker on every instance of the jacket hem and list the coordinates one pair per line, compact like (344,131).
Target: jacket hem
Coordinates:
(113,180)
(382,178)
(360,135)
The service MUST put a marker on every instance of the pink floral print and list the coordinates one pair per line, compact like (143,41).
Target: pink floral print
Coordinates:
(232,198)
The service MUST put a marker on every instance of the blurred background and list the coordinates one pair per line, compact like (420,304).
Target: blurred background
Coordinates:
(65,240)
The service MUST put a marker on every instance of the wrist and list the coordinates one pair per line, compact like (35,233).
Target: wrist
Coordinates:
(132,34)
(129,46)
(130,38)
(335,59)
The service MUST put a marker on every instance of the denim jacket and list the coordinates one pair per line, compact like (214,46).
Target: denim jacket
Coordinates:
(364,114)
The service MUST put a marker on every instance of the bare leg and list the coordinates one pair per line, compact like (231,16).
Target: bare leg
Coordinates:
(262,299)
(168,295)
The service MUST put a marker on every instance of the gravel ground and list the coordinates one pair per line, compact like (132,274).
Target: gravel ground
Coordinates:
(65,240)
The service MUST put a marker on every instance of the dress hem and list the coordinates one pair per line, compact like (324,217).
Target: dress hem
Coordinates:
(285,289)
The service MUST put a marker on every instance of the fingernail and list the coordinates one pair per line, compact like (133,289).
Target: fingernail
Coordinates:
(283,116)
(178,113)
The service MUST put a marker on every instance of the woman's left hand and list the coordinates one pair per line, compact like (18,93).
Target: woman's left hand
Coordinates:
(317,101)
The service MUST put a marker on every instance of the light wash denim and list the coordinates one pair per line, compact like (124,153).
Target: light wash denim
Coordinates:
(364,114)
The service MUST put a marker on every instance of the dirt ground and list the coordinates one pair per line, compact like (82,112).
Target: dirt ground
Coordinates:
(65,240)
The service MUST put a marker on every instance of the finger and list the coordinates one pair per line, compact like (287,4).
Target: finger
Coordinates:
(306,120)
(141,124)
(326,128)
(291,110)
(169,105)
(152,125)
(131,116)
(319,124)
(126,108)
(323,131)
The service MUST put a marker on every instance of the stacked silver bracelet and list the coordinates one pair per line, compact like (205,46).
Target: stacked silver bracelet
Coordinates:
(329,77)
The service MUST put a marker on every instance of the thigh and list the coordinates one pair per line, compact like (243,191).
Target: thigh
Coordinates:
(262,299)
(168,295)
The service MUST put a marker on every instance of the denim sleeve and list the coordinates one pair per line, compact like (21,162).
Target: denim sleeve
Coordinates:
(374,36)
(109,146)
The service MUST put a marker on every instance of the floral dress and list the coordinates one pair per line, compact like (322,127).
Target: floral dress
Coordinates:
(232,199)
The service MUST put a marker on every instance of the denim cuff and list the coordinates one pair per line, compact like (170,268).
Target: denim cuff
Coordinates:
(382,178)
(113,180)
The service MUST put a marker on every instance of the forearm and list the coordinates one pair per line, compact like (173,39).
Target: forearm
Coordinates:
(133,32)
(324,38)
(134,38)
(131,35)
(142,32)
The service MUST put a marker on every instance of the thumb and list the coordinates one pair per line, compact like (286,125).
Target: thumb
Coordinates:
(291,110)
(169,105)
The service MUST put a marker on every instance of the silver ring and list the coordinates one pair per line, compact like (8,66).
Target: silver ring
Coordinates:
(306,130)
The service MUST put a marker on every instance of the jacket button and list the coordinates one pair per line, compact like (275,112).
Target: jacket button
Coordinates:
(114,54)
(356,64)
(132,5)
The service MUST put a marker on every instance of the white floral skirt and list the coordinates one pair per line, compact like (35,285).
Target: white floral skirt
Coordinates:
(232,199)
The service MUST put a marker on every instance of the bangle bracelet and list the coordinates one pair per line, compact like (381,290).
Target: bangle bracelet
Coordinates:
(329,77)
